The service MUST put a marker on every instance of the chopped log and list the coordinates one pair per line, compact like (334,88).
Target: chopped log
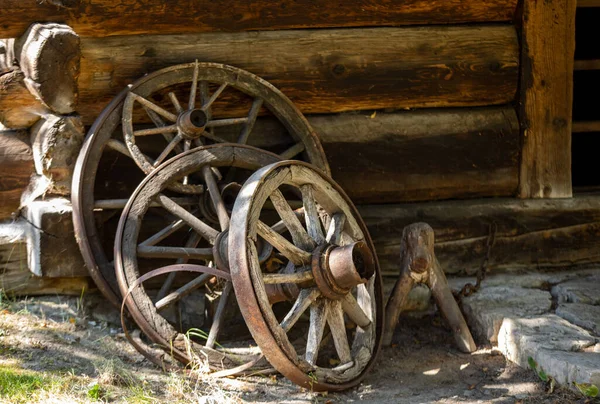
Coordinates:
(56,141)
(412,155)
(48,55)
(548,50)
(324,71)
(16,165)
(19,109)
(115,17)
(530,234)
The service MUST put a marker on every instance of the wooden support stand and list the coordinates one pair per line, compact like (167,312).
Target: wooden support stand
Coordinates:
(418,264)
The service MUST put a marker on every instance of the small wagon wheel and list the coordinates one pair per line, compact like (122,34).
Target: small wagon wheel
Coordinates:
(201,244)
(183,107)
(330,266)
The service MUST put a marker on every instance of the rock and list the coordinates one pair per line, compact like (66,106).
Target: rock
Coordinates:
(583,315)
(585,290)
(555,344)
(486,309)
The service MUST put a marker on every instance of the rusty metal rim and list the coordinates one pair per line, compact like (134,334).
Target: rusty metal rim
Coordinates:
(87,163)
(251,309)
(124,285)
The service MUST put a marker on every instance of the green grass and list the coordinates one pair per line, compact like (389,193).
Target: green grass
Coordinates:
(19,386)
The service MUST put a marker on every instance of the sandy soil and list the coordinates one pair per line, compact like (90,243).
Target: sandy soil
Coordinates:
(58,337)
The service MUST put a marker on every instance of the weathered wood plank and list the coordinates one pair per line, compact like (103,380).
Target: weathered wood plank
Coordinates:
(548,48)
(530,234)
(16,165)
(325,71)
(412,155)
(423,155)
(118,17)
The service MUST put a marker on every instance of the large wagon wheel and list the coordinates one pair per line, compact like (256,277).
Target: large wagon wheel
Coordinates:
(182,105)
(330,266)
(187,238)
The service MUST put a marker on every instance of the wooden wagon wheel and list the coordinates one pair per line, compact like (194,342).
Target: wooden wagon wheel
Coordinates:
(201,244)
(330,267)
(158,97)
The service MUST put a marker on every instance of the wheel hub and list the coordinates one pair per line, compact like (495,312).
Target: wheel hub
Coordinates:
(336,270)
(192,123)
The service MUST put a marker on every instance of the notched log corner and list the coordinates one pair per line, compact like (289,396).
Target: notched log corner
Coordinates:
(418,264)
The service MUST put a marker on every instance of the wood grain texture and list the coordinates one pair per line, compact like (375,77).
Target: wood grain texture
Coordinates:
(126,17)
(531,234)
(19,109)
(16,165)
(412,155)
(325,71)
(548,48)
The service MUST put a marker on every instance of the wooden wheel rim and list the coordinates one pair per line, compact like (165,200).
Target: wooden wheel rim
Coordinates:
(99,135)
(139,305)
(250,289)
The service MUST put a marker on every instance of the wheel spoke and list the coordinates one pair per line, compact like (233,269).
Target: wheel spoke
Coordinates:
(192,242)
(225,122)
(156,131)
(118,146)
(296,277)
(219,314)
(311,216)
(354,311)
(252,115)
(198,225)
(159,110)
(163,233)
(158,121)
(175,102)
(214,96)
(336,226)
(167,150)
(192,101)
(304,300)
(293,151)
(174,252)
(183,291)
(280,226)
(204,93)
(335,318)
(294,254)
(215,196)
(318,317)
(211,136)
(291,221)
(120,203)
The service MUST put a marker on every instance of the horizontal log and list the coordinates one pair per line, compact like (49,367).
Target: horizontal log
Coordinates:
(19,109)
(16,165)
(324,71)
(585,126)
(118,17)
(530,234)
(412,155)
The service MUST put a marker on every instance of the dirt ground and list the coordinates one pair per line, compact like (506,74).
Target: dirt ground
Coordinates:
(53,350)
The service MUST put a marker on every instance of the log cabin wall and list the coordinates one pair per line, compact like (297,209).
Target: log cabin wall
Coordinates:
(414,100)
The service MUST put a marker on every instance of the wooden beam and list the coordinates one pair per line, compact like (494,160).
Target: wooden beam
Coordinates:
(530,234)
(115,17)
(16,165)
(548,47)
(590,64)
(588,3)
(585,126)
(324,71)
